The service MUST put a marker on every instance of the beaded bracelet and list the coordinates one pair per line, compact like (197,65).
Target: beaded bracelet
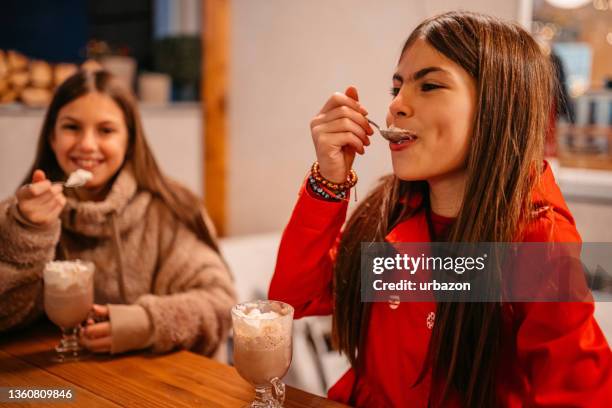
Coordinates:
(350,182)
(324,192)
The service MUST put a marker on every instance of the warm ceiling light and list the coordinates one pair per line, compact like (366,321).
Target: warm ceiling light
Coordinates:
(568,4)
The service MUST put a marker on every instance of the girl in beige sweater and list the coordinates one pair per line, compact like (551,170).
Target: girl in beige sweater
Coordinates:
(160,281)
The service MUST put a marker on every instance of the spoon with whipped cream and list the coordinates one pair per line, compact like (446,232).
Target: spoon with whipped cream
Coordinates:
(78,178)
(394,134)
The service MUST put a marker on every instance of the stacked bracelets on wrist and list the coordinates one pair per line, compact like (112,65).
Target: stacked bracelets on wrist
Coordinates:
(328,189)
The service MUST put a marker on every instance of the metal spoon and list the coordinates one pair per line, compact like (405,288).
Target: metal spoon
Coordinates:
(391,134)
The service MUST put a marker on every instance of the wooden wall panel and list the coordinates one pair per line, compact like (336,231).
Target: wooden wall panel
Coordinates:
(215,43)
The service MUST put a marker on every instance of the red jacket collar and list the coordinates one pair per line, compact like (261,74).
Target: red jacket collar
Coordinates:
(546,196)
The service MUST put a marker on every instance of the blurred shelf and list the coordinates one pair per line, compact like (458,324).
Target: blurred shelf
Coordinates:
(587,162)
(20,110)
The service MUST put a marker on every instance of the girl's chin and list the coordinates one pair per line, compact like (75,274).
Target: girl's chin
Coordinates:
(408,174)
(409,178)
(94,185)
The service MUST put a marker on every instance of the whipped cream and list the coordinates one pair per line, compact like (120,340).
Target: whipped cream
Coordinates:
(62,275)
(79,178)
(394,128)
(252,322)
(257,314)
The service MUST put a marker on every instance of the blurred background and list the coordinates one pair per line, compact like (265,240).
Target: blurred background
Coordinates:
(227,89)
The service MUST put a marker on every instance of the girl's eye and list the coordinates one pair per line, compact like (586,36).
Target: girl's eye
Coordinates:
(107,130)
(429,87)
(394,91)
(70,126)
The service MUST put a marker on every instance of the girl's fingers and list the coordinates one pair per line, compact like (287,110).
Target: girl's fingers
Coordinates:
(97,330)
(100,310)
(52,196)
(57,188)
(43,203)
(56,210)
(33,190)
(99,345)
(344,139)
(344,112)
(340,99)
(351,92)
(42,212)
(344,125)
(39,188)
(354,142)
(38,175)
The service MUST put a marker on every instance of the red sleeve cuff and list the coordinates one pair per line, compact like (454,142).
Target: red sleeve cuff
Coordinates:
(317,213)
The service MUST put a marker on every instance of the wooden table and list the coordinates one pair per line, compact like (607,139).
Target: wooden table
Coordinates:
(178,379)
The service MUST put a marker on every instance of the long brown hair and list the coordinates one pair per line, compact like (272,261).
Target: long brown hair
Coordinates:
(185,205)
(514,87)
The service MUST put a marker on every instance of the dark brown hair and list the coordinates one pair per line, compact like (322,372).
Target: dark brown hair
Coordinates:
(185,205)
(514,87)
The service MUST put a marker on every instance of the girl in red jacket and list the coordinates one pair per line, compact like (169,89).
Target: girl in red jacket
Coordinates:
(474,94)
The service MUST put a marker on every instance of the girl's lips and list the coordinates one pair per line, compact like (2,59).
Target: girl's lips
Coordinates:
(404,144)
(86,164)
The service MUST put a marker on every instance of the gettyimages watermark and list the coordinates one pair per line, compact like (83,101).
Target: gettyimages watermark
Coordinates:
(486,272)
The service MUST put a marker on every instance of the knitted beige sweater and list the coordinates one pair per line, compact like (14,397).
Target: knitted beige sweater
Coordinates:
(164,287)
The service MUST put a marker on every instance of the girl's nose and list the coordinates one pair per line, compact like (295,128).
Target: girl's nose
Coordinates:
(399,107)
(88,140)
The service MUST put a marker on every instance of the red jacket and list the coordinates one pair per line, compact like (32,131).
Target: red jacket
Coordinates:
(555,353)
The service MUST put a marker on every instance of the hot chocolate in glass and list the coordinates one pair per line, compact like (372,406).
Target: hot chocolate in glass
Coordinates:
(68,293)
(263,348)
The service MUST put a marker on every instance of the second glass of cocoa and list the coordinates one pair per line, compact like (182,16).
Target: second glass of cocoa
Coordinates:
(263,348)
